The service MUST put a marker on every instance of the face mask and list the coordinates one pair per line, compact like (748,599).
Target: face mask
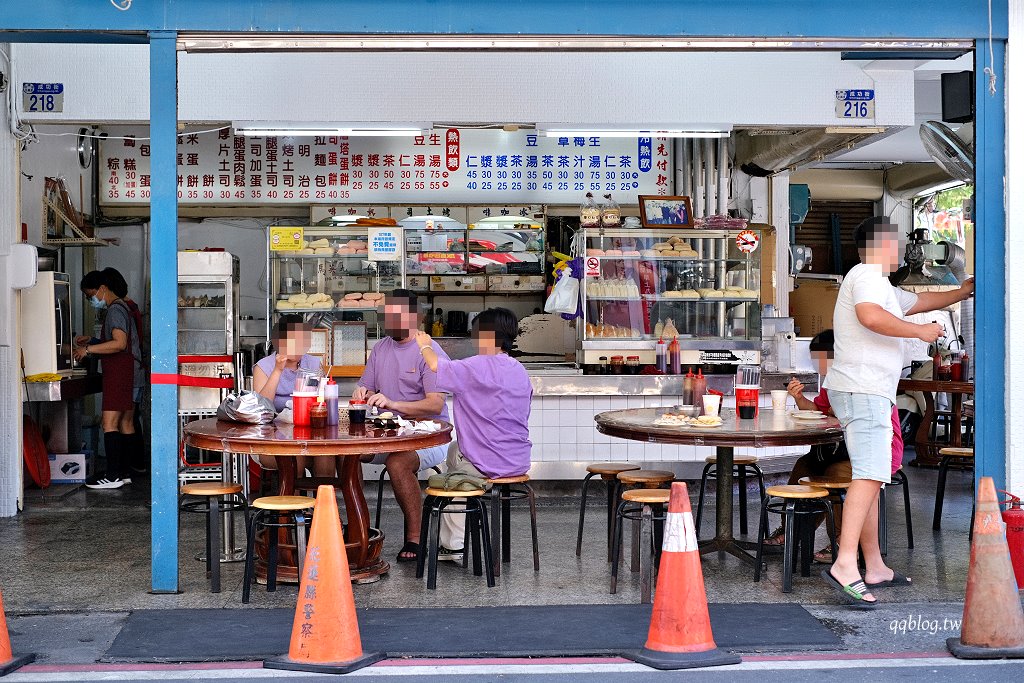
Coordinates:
(97,303)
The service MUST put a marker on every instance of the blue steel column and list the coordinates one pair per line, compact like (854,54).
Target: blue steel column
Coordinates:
(990,265)
(163,255)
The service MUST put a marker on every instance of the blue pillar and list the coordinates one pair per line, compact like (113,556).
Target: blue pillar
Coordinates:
(990,264)
(163,258)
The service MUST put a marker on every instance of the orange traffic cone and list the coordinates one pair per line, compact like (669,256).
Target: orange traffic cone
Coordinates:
(8,662)
(993,623)
(680,635)
(325,633)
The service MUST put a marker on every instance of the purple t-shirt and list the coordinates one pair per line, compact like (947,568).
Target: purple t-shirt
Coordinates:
(399,372)
(492,397)
(286,385)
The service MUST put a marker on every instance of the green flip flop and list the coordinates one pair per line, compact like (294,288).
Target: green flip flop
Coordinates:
(852,594)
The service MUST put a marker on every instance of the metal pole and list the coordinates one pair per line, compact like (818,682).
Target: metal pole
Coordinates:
(163,255)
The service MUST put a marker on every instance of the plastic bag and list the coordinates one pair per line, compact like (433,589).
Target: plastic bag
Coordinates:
(611,215)
(248,407)
(590,214)
(565,295)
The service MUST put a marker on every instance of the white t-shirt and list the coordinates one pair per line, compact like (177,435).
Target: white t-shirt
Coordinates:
(867,362)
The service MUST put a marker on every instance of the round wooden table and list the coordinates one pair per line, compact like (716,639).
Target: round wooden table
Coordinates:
(285,441)
(769,428)
(927,450)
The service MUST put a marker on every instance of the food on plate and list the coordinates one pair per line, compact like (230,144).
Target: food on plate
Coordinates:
(320,243)
(285,305)
(353,296)
(613,252)
(672,420)
(306,252)
(323,251)
(673,295)
(690,294)
(707,421)
(595,252)
(662,246)
(373,296)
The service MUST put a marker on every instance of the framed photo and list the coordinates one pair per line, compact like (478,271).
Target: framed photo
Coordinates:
(657,211)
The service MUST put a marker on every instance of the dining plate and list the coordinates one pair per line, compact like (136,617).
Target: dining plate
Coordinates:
(705,426)
(809,415)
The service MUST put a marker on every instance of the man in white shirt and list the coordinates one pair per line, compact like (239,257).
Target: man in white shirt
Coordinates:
(869,329)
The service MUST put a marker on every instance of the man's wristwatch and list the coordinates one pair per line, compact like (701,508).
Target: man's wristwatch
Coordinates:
(87,349)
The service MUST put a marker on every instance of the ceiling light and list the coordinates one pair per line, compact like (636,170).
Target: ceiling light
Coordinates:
(693,131)
(310,129)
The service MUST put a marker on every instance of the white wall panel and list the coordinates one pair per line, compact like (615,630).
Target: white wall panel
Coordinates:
(1015,252)
(109,83)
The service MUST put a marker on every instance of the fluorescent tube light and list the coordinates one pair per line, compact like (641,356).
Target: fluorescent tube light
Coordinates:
(303,129)
(696,131)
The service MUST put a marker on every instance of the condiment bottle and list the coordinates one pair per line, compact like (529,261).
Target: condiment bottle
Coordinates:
(602,365)
(965,367)
(936,363)
(617,365)
(673,356)
(331,393)
(660,360)
(688,387)
(700,387)
(633,365)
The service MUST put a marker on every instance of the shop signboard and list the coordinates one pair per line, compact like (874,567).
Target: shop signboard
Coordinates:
(454,166)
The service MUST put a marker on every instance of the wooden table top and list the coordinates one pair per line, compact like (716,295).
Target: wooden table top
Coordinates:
(942,386)
(769,428)
(286,439)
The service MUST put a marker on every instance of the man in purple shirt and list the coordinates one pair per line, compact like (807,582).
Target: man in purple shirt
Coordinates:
(492,396)
(396,379)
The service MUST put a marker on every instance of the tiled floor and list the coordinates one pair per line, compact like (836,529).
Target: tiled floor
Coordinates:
(91,552)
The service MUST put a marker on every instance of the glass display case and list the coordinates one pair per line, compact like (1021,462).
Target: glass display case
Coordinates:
(328,276)
(434,245)
(702,287)
(207,303)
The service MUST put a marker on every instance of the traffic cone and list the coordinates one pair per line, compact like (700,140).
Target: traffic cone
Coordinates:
(8,662)
(993,623)
(680,635)
(325,633)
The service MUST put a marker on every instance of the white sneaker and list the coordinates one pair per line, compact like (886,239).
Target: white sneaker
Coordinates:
(448,555)
(107,484)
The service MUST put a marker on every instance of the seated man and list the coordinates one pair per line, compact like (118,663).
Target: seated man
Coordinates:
(492,396)
(397,379)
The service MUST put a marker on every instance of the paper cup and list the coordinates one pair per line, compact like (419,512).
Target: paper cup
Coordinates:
(779,398)
(712,404)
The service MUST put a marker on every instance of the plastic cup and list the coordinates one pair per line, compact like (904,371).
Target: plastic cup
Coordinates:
(357,412)
(779,399)
(301,405)
(712,404)
(747,399)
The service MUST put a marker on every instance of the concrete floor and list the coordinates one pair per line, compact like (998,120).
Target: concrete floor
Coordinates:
(90,551)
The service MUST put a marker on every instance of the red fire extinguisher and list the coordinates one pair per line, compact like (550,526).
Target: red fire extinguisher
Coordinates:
(1013,516)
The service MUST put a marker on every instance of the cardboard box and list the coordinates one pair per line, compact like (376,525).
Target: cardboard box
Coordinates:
(811,305)
(68,468)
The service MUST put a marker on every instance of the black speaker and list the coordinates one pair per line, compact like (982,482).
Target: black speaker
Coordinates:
(958,97)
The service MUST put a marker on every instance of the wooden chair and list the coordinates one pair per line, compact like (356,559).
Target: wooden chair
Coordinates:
(273,513)
(213,498)
(646,506)
(962,456)
(505,490)
(436,504)
(793,503)
(608,471)
(742,464)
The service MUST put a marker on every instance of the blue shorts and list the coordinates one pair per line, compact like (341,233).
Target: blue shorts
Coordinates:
(867,425)
(429,457)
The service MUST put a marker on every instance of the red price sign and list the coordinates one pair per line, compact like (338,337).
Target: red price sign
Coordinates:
(747,241)
(593,266)
(452,149)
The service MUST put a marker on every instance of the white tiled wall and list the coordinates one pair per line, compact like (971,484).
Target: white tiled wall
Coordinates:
(562,429)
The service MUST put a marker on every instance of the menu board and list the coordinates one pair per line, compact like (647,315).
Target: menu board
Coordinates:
(467,166)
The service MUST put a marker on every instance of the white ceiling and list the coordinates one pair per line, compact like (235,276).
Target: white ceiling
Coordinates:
(905,145)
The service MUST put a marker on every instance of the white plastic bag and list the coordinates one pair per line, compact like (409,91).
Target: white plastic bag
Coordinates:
(565,295)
